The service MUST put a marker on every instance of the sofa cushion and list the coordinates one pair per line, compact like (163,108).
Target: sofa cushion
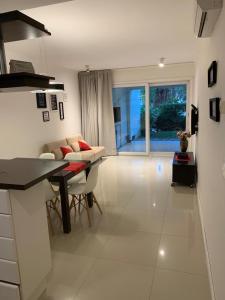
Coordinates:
(98,151)
(58,153)
(88,155)
(72,139)
(54,145)
(65,150)
(75,146)
(84,146)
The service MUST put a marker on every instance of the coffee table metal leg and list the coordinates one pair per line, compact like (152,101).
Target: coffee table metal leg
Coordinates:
(65,206)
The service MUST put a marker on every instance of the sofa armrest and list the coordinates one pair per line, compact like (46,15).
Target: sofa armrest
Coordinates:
(73,156)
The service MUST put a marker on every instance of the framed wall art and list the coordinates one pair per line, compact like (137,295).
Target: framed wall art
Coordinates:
(212,74)
(53,102)
(61,111)
(214,109)
(45,116)
(41,100)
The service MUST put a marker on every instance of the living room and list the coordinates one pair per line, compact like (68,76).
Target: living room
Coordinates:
(148,240)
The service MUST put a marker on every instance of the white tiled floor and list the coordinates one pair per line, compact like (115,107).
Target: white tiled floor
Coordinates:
(147,245)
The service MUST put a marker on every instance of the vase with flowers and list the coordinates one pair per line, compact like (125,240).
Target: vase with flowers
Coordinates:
(183,136)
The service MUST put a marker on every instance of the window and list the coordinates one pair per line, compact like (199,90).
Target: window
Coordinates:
(167,116)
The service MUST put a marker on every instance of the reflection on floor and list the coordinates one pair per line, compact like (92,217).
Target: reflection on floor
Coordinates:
(146,246)
(156,146)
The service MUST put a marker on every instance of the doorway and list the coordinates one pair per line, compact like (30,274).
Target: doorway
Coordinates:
(168,104)
(148,116)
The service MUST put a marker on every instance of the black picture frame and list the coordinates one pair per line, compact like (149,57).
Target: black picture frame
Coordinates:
(61,111)
(214,109)
(41,100)
(53,102)
(212,74)
(45,116)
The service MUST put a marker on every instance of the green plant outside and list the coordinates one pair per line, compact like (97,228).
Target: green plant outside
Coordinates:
(167,111)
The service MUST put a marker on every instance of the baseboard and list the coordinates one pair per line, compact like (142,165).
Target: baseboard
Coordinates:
(206,249)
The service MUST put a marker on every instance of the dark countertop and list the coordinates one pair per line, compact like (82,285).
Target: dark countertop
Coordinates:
(23,173)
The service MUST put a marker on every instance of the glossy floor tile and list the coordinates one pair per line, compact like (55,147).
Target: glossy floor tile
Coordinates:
(150,221)
(68,274)
(133,247)
(184,223)
(182,254)
(170,285)
(114,280)
(147,245)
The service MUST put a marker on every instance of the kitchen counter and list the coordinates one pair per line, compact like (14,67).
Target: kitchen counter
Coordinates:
(25,254)
(23,173)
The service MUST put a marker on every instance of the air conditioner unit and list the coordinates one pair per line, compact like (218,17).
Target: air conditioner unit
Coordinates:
(207,14)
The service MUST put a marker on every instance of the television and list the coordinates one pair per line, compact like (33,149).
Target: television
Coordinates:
(117,114)
(194,119)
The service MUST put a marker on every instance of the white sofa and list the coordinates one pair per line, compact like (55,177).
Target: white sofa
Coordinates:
(92,155)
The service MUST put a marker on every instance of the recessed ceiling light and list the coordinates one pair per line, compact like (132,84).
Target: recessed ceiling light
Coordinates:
(161,62)
(162,252)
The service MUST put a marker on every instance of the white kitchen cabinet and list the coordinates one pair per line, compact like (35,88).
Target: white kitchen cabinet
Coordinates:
(5,206)
(9,271)
(9,291)
(6,226)
(25,255)
(8,249)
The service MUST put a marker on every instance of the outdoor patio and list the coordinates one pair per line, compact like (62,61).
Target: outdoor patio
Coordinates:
(156,146)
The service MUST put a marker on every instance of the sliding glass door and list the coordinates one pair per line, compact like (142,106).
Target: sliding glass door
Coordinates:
(129,118)
(147,117)
(167,116)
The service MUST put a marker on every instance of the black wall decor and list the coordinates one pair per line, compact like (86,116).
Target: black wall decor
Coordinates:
(61,111)
(41,100)
(212,74)
(53,102)
(214,109)
(45,115)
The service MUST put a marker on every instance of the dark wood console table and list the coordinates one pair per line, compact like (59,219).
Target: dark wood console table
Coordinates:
(184,172)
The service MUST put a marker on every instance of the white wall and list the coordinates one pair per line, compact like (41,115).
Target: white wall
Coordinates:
(152,74)
(211,155)
(22,131)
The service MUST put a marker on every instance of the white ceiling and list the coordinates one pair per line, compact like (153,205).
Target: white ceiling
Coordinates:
(25,4)
(118,33)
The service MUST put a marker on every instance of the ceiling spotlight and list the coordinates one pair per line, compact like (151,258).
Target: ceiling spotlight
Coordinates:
(162,252)
(162,62)
(87,67)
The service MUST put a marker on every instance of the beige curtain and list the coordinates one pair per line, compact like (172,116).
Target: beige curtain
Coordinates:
(97,109)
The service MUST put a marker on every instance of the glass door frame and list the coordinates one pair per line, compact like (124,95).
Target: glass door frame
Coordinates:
(165,83)
(147,86)
(147,132)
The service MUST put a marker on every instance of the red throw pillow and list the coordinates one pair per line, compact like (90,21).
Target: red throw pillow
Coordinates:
(84,146)
(65,150)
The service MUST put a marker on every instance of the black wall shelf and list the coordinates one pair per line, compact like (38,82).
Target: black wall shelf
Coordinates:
(17,82)
(16,26)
